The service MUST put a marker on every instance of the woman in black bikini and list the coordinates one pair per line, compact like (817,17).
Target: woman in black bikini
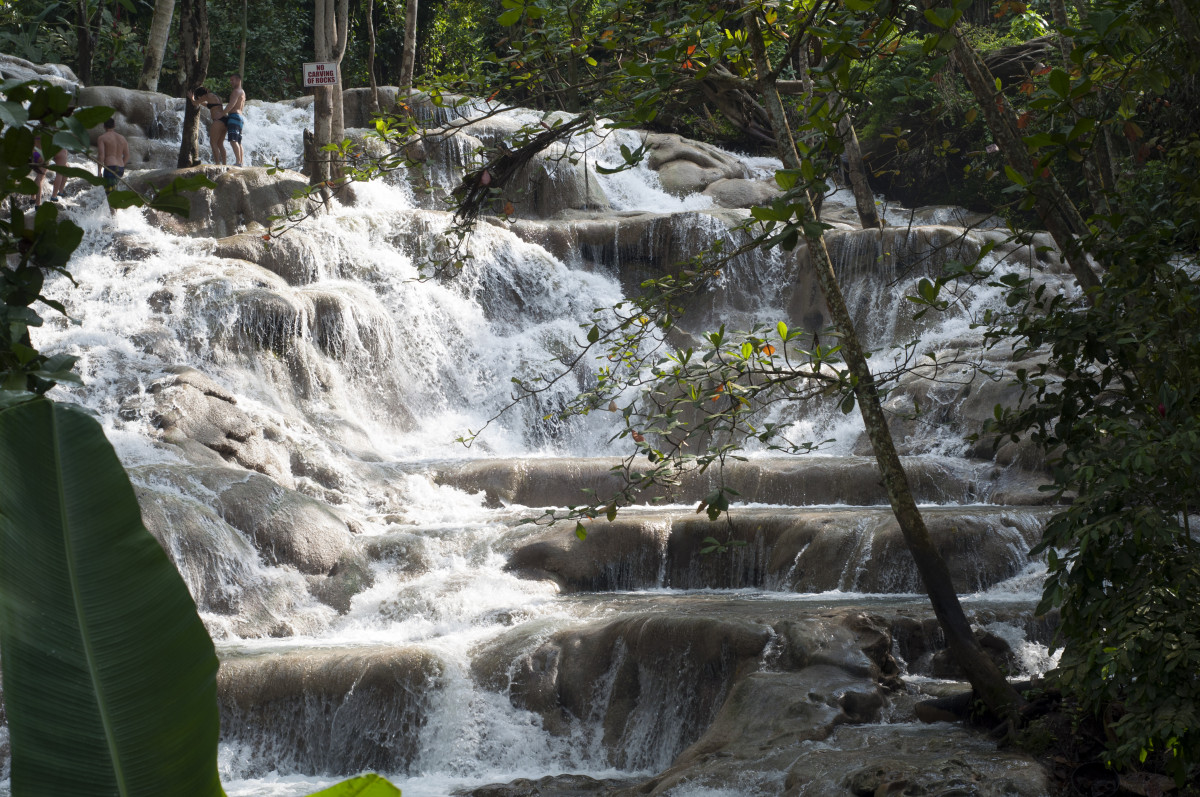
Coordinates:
(216,130)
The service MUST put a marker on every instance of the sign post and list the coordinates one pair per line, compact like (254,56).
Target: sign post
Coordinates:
(320,74)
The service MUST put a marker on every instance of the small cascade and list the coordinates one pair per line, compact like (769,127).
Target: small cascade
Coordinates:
(288,414)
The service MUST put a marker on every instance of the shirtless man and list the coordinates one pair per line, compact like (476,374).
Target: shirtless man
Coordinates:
(113,155)
(233,116)
(216,130)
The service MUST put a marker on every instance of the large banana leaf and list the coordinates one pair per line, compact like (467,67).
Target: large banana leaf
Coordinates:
(109,675)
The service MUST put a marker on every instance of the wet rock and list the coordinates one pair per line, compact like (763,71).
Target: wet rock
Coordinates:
(292,257)
(617,556)
(794,481)
(339,710)
(742,193)
(356,104)
(686,167)
(290,528)
(800,550)
(14,68)
(139,114)
(549,786)
(350,575)
(652,682)
(943,664)
(769,715)
(940,761)
(241,196)
(191,409)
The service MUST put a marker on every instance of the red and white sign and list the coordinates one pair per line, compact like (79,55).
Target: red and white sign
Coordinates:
(320,74)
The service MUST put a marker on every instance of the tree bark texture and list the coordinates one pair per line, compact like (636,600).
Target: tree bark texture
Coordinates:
(193,62)
(989,683)
(245,33)
(371,55)
(156,44)
(330,29)
(86,37)
(409,59)
(864,198)
(1052,204)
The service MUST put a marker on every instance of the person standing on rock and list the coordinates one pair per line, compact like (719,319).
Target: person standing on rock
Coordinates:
(216,129)
(113,155)
(233,116)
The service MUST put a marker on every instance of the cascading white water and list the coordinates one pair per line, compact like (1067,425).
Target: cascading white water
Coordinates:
(352,383)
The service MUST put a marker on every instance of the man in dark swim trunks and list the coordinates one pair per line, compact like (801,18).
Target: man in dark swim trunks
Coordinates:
(113,155)
(233,117)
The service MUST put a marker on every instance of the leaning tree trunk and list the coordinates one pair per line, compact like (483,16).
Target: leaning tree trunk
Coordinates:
(989,683)
(156,44)
(409,59)
(1051,202)
(864,198)
(193,62)
(371,55)
(330,23)
(245,33)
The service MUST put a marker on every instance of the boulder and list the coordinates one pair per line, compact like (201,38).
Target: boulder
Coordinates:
(802,550)
(292,257)
(139,114)
(147,153)
(192,410)
(686,167)
(335,710)
(241,196)
(739,192)
(356,104)
(14,68)
(549,786)
(651,682)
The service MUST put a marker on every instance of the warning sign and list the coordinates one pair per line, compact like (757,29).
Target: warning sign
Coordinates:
(320,74)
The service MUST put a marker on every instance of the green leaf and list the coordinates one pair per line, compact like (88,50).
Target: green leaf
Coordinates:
(1060,82)
(90,117)
(369,785)
(580,531)
(109,675)
(510,17)
(782,329)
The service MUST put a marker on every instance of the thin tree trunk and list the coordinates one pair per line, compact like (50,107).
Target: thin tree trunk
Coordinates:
(371,55)
(156,44)
(85,40)
(864,198)
(410,48)
(193,62)
(989,683)
(245,32)
(1052,204)
(330,22)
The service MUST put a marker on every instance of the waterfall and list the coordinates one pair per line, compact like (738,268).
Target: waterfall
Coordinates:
(288,416)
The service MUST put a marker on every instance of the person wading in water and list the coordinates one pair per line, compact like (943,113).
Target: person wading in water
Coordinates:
(113,154)
(233,117)
(216,130)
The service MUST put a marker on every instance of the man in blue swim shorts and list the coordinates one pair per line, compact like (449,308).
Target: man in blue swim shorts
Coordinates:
(233,117)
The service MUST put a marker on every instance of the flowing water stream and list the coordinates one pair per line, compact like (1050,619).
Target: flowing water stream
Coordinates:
(290,432)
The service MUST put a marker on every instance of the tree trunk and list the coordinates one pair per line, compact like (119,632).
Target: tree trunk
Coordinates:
(193,63)
(410,48)
(330,27)
(864,199)
(85,38)
(371,55)
(156,44)
(245,32)
(1054,207)
(989,683)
